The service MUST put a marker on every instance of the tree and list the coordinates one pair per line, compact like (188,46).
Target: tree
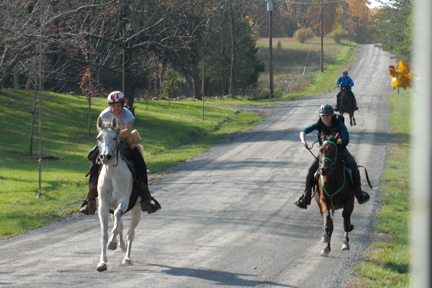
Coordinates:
(392,28)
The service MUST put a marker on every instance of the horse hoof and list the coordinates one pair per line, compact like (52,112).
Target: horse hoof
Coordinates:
(345,247)
(112,245)
(325,252)
(102,267)
(126,262)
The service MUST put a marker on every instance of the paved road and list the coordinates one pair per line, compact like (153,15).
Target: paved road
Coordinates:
(227,211)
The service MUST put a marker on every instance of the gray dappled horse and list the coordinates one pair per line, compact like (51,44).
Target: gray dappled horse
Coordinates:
(115,188)
(347,103)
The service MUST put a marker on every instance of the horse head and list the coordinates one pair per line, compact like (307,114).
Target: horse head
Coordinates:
(344,88)
(107,140)
(328,153)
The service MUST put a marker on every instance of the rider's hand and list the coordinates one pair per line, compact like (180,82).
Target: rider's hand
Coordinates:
(305,144)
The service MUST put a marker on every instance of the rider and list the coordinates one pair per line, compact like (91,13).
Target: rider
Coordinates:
(116,101)
(327,124)
(344,80)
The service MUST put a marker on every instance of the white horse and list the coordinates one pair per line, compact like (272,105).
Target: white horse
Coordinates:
(115,188)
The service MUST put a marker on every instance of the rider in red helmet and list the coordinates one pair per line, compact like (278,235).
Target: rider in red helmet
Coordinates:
(125,118)
(327,124)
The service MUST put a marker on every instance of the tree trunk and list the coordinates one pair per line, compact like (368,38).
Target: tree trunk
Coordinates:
(232,89)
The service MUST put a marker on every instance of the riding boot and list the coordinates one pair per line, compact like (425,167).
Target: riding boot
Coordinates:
(336,108)
(146,203)
(89,205)
(362,197)
(304,200)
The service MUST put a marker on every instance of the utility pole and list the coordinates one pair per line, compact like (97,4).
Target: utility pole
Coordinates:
(322,36)
(270,9)
(344,11)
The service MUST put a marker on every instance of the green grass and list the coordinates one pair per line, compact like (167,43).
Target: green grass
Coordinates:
(387,264)
(292,57)
(170,135)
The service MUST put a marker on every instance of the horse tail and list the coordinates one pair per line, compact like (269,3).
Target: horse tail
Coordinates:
(367,176)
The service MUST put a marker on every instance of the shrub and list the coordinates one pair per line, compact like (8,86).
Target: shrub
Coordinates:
(338,35)
(303,34)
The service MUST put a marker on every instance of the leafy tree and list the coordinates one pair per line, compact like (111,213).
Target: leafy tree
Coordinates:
(338,35)
(303,34)
(392,28)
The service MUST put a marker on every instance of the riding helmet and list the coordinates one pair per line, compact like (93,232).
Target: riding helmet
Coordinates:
(116,97)
(345,71)
(326,109)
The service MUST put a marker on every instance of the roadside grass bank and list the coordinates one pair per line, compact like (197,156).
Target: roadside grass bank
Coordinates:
(171,134)
(387,264)
(297,71)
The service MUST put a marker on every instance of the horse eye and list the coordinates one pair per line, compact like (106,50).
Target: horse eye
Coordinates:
(115,138)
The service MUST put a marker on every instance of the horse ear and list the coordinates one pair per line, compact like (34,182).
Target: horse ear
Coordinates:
(114,122)
(99,123)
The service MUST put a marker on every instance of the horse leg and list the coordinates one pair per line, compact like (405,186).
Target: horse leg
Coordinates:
(135,219)
(103,219)
(348,227)
(327,232)
(112,243)
(122,242)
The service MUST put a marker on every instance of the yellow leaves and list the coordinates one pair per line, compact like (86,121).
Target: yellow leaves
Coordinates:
(400,77)
(255,267)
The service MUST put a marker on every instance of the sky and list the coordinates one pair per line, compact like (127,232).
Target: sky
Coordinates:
(375,3)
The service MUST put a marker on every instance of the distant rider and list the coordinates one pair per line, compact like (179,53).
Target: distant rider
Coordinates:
(327,124)
(345,80)
(116,101)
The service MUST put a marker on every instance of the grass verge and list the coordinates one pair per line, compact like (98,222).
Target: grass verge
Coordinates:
(171,134)
(387,264)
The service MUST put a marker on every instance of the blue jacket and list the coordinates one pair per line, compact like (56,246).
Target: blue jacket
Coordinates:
(345,80)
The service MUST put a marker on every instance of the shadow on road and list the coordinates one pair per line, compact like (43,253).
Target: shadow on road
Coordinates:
(220,277)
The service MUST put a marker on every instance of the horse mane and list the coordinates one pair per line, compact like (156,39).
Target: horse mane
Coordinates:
(333,136)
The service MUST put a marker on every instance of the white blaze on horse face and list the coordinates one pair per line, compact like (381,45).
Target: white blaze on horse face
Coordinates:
(107,142)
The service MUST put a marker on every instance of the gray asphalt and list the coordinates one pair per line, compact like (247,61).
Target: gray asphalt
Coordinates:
(228,217)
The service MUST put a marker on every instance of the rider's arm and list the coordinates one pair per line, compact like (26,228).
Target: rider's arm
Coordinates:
(351,81)
(344,134)
(339,81)
(305,131)
(126,130)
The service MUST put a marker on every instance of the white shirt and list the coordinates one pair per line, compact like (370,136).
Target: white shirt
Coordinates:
(125,116)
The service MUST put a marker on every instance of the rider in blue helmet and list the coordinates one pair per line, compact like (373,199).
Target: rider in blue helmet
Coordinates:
(327,124)
(345,80)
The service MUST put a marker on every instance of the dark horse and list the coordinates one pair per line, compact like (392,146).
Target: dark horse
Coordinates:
(347,103)
(333,191)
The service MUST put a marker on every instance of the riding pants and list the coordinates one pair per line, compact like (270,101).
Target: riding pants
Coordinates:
(352,165)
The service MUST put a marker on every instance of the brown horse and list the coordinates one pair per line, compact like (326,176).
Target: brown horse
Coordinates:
(347,103)
(333,191)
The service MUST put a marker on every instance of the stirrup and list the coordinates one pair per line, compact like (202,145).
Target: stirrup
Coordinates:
(301,203)
(363,197)
(88,207)
(150,207)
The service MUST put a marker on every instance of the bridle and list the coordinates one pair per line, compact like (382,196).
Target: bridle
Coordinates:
(115,151)
(333,163)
